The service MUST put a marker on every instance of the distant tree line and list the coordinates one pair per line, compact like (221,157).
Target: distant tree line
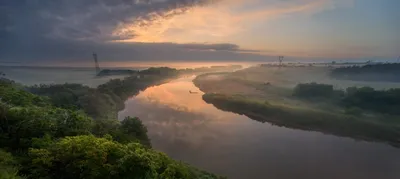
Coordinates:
(166,70)
(370,72)
(367,98)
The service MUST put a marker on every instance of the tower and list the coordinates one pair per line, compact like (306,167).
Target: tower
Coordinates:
(96,63)
(280,59)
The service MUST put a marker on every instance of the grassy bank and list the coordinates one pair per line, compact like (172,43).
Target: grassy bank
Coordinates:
(313,120)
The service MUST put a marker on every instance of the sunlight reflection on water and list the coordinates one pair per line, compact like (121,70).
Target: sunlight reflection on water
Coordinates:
(188,129)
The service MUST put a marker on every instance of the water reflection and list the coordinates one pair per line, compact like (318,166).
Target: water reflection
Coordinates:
(186,128)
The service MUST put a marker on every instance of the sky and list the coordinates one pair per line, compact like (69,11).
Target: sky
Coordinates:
(69,31)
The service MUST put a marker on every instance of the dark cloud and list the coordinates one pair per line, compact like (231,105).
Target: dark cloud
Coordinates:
(217,47)
(224,47)
(32,30)
(69,50)
(84,19)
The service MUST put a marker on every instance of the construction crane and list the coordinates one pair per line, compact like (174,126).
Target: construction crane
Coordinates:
(96,63)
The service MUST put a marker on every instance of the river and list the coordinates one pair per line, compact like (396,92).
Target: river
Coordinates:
(188,129)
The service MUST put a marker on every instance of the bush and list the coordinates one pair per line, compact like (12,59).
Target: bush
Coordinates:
(313,90)
(354,111)
(387,101)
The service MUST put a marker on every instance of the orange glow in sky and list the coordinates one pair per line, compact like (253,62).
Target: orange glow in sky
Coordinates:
(271,26)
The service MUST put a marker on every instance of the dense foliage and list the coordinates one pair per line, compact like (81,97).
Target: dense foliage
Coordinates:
(104,101)
(91,157)
(8,166)
(51,136)
(353,99)
(108,72)
(316,91)
(62,95)
(387,101)
(370,72)
(19,125)
(25,116)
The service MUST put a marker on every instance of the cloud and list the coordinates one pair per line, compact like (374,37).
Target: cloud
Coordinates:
(80,51)
(215,47)
(89,19)
(219,22)
(140,20)
(141,29)
(69,28)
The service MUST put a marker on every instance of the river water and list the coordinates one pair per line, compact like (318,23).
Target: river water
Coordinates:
(188,129)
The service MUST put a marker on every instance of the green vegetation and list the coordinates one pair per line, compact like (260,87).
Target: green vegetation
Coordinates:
(107,99)
(268,96)
(91,157)
(108,72)
(307,119)
(316,91)
(371,72)
(52,136)
(353,99)
(386,101)
(8,166)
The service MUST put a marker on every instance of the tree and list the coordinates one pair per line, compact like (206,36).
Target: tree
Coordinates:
(20,124)
(313,90)
(91,157)
(132,129)
(8,166)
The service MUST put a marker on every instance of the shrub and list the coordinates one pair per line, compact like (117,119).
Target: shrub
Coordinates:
(354,111)
(313,90)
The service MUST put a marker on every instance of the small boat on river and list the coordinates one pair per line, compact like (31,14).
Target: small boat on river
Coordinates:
(193,92)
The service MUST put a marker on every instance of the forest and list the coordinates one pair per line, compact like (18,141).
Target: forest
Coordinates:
(71,131)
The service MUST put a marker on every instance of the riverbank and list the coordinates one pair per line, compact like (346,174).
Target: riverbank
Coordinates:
(275,104)
(329,123)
